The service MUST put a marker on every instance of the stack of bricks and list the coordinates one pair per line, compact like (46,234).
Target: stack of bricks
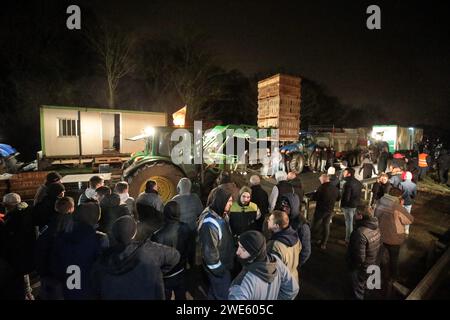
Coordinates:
(279,105)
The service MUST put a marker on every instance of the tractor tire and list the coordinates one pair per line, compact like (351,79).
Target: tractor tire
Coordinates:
(312,162)
(297,163)
(165,174)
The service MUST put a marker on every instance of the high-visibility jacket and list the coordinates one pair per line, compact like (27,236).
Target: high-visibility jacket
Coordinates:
(423,160)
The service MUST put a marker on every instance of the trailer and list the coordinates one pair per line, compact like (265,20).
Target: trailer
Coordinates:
(81,135)
(397,138)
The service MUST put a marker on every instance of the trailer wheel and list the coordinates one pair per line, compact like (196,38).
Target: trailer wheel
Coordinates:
(166,176)
(297,163)
(313,162)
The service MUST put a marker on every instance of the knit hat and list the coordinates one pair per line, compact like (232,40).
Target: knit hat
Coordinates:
(55,189)
(124,229)
(331,171)
(408,175)
(53,177)
(255,244)
(11,199)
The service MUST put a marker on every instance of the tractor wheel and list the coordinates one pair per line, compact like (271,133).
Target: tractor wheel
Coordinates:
(313,161)
(166,176)
(297,163)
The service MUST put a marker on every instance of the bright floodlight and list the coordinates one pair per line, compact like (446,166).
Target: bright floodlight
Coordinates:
(149,131)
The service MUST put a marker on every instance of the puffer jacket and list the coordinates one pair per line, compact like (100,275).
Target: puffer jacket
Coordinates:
(364,245)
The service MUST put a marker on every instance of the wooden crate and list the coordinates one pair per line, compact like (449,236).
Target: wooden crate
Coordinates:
(277,106)
(279,85)
(279,78)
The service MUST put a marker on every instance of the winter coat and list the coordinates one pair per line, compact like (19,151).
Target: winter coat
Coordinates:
(287,246)
(379,190)
(190,208)
(81,247)
(174,234)
(325,197)
(396,179)
(243,217)
(151,199)
(88,194)
(111,211)
(18,239)
(365,242)
(392,218)
(351,196)
(367,168)
(409,189)
(261,199)
(298,189)
(44,212)
(150,220)
(382,161)
(41,193)
(269,280)
(281,189)
(216,243)
(133,272)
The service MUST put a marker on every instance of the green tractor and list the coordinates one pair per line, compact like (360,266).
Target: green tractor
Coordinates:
(155,162)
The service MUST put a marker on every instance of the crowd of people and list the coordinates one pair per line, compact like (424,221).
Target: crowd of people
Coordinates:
(249,244)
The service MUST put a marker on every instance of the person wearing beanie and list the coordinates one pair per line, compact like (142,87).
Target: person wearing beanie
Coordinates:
(244,214)
(17,243)
(284,241)
(52,177)
(132,270)
(409,189)
(45,211)
(175,234)
(190,208)
(263,276)
(216,244)
(150,197)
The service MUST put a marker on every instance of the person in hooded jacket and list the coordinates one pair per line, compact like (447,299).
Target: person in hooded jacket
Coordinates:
(175,234)
(190,208)
(111,211)
(284,241)
(45,211)
(132,270)
(95,182)
(52,177)
(244,214)
(264,276)
(363,249)
(150,208)
(224,182)
(216,244)
(79,245)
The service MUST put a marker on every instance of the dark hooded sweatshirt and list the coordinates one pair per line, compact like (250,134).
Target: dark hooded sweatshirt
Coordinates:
(134,271)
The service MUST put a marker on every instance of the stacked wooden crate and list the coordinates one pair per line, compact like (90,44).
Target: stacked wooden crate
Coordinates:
(279,105)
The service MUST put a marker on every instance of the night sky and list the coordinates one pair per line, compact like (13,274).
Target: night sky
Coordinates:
(404,68)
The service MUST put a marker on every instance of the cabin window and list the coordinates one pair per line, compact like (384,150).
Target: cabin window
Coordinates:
(68,128)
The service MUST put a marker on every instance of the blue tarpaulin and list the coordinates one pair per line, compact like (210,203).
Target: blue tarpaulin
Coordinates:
(6,150)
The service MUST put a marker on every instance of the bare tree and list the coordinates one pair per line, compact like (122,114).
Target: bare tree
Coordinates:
(114,49)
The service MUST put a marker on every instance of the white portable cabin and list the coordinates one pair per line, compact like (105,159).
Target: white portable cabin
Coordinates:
(80,132)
